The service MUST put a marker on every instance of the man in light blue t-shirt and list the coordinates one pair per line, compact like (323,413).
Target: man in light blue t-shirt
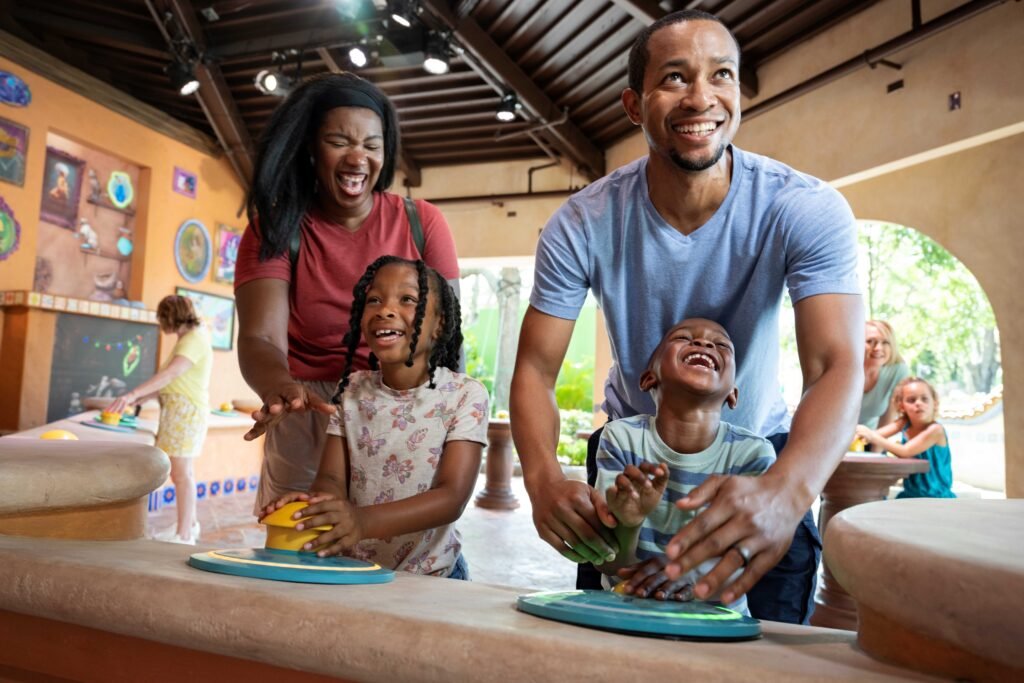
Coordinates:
(700,228)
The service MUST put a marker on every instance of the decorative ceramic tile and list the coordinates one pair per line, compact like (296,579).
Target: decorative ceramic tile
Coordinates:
(33,298)
(47,301)
(19,298)
(60,303)
(94,308)
(73,305)
(134,313)
(105,310)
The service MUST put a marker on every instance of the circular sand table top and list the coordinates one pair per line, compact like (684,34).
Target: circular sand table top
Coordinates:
(939,584)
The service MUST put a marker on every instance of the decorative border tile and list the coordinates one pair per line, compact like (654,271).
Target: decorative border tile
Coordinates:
(80,306)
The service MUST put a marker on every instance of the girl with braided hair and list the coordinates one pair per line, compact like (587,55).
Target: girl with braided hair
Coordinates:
(404,444)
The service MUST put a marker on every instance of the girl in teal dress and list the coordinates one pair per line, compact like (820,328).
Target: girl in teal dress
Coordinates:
(921,437)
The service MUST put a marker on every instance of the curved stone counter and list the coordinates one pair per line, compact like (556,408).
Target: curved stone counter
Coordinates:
(939,584)
(77,489)
(413,629)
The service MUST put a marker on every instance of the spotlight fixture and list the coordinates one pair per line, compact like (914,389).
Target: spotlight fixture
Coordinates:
(507,109)
(402,12)
(182,77)
(275,81)
(357,56)
(435,59)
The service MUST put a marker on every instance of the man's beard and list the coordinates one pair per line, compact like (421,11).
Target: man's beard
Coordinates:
(697,164)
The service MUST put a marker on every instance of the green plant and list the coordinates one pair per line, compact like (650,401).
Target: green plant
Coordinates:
(575,387)
(476,366)
(572,450)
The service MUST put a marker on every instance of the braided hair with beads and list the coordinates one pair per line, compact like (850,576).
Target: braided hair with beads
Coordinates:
(449,340)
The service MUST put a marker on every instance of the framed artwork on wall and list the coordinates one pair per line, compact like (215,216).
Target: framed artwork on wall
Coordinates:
(62,184)
(184,182)
(228,239)
(13,147)
(193,251)
(10,231)
(13,90)
(120,190)
(218,312)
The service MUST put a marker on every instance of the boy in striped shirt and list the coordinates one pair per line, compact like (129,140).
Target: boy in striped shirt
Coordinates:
(646,463)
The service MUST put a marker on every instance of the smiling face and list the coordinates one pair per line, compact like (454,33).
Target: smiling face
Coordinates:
(690,105)
(918,403)
(349,153)
(389,317)
(877,348)
(697,357)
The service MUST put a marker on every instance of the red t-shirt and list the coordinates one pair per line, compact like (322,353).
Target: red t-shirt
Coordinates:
(331,261)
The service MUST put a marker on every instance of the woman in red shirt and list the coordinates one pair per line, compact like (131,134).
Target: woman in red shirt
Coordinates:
(319,214)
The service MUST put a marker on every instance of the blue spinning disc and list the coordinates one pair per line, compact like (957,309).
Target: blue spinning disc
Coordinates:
(288,565)
(641,616)
(110,428)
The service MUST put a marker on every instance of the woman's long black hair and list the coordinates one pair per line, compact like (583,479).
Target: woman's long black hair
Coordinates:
(445,353)
(284,179)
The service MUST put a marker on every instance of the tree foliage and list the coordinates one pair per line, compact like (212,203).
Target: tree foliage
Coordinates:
(944,324)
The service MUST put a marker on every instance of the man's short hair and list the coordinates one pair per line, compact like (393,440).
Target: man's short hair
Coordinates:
(638,55)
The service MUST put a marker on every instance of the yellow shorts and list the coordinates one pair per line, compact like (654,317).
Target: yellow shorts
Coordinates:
(182,427)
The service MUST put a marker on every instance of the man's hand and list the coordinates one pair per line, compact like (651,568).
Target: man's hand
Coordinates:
(758,514)
(648,579)
(291,397)
(635,492)
(574,520)
(293,496)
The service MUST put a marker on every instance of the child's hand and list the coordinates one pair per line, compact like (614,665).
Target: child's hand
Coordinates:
(647,579)
(342,515)
(636,492)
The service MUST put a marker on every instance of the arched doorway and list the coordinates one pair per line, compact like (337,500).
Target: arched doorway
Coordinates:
(947,334)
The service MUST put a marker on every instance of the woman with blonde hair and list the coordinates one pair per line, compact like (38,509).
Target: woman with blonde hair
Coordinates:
(182,386)
(883,370)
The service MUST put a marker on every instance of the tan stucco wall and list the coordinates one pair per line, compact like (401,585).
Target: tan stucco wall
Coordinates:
(971,203)
(502,226)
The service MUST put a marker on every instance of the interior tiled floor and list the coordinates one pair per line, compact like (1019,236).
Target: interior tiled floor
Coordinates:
(501,547)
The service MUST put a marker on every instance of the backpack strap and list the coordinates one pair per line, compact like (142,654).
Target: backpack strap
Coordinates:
(293,247)
(414,224)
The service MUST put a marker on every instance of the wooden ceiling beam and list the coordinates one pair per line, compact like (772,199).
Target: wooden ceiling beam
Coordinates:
(303,39)
(444,94)
(499,67)
(214,95)
(410,169)
(90,32)
(458,132)
(647,12)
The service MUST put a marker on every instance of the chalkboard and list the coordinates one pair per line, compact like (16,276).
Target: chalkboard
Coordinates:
(98,357)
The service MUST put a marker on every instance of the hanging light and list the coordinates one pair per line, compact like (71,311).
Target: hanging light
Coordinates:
(182,77)
(507,109)
(436,55)
(402,13)
(357,56)
(274,82)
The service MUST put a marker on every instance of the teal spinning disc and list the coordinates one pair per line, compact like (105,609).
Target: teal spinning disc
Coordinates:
(288,565)
(641,616)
